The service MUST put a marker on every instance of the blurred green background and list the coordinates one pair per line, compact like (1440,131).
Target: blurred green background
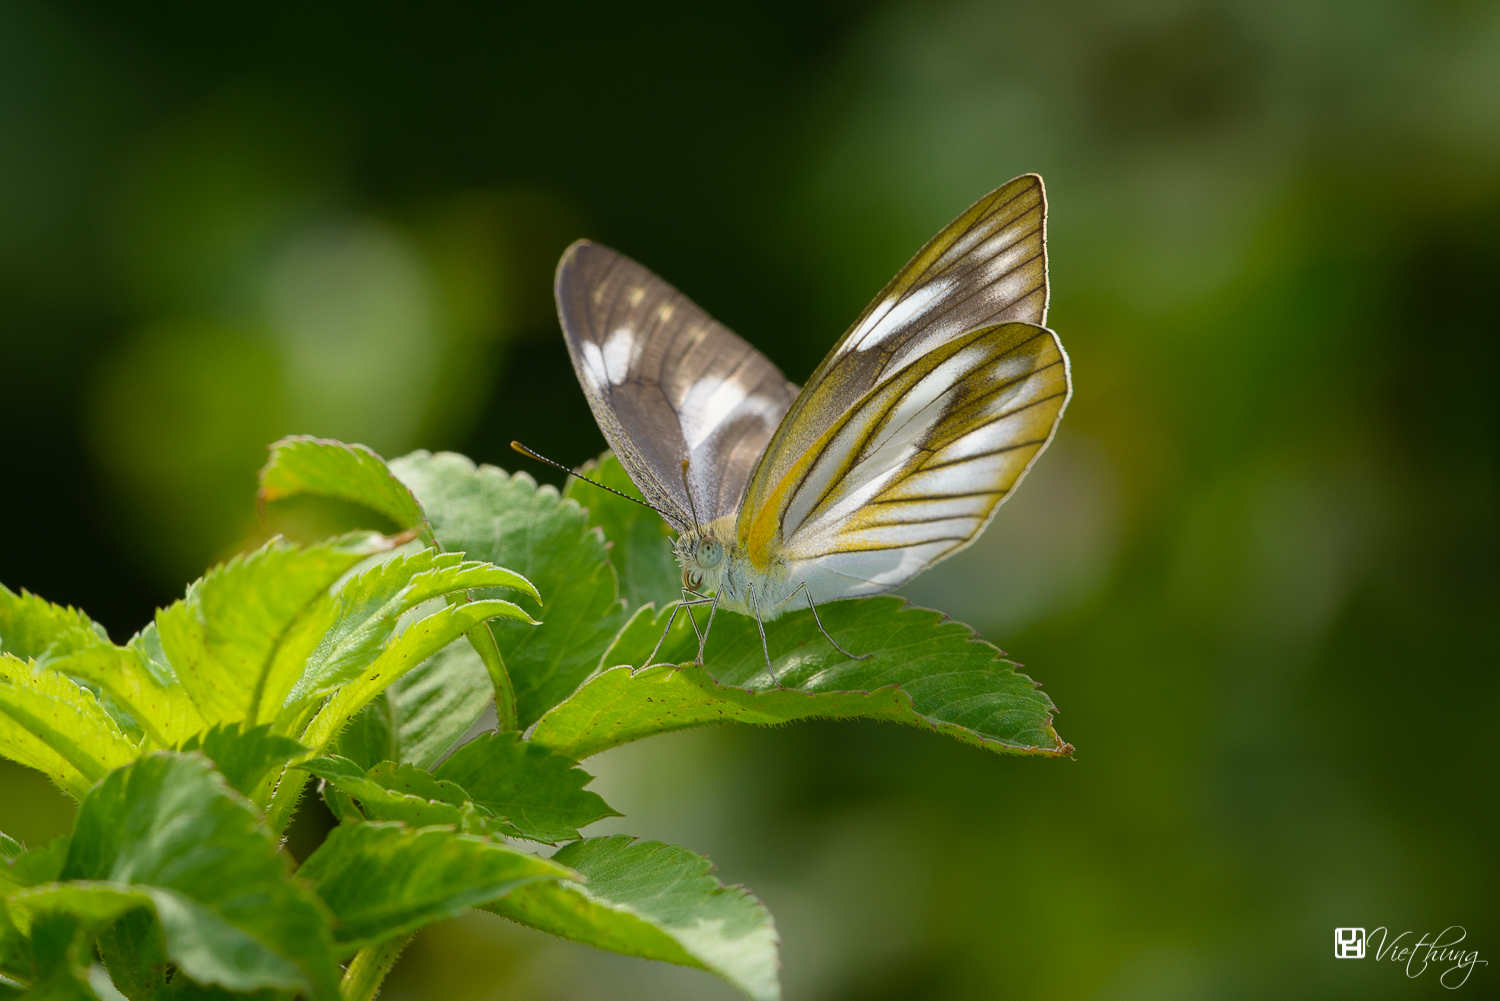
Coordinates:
(1257,571)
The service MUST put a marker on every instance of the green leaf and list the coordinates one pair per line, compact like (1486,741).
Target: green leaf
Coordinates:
(657,901)
(382,880)
(435,703)
(16,959)
(50,723)
(540,791)
(141,678)
(354,473)
(640,541)
(370,737)
(369,605)
(66,640)
(38,865)
(9,847)
(167,828)
(164,712)
(419,641)
(134,951)
(925,670)
(510,521)
(302,467)
(243,755)
(45,926)
(239,640)
(52,952)
(31,626)
(647,635)
(405,793)
(94,903)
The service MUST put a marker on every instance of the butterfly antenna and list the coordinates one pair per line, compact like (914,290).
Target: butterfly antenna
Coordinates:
(698,525)
(575,473)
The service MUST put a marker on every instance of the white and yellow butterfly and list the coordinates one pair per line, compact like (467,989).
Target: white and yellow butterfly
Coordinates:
(919,423)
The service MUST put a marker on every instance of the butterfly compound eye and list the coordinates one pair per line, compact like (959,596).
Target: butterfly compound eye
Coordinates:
(710,552)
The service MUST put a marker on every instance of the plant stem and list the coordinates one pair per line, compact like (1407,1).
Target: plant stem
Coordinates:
(284,800)
(484,644)
(368,968)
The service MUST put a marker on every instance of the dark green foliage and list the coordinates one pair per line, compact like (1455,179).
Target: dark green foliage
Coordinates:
(166,833)
(411,795)
(38,865)
(647,570)
(315,467)
(370,737)
(540,791)
(511,521)
(658,901)
(436,702)
(243,755)
(187,746)
(383,879)
(924,669)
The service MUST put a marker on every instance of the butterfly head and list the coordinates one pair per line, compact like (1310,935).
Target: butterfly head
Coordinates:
(701,553)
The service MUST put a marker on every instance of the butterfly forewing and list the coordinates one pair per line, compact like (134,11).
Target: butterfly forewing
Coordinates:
(988,266)
(666,383)
(925,415)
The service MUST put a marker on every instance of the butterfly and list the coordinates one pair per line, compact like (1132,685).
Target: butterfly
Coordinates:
(923,418)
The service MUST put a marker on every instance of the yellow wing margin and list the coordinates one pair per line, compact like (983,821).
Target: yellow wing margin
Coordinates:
(915,470)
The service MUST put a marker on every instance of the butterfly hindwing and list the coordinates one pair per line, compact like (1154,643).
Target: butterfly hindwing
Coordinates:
(924,416)
(917,469)
(666,383)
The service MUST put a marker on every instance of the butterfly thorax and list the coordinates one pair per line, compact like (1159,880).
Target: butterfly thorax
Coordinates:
(714,564)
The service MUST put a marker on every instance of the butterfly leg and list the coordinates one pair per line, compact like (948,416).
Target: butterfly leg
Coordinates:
(687,602)
(703,638)
(702,600)
(808,594)
(755,605)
